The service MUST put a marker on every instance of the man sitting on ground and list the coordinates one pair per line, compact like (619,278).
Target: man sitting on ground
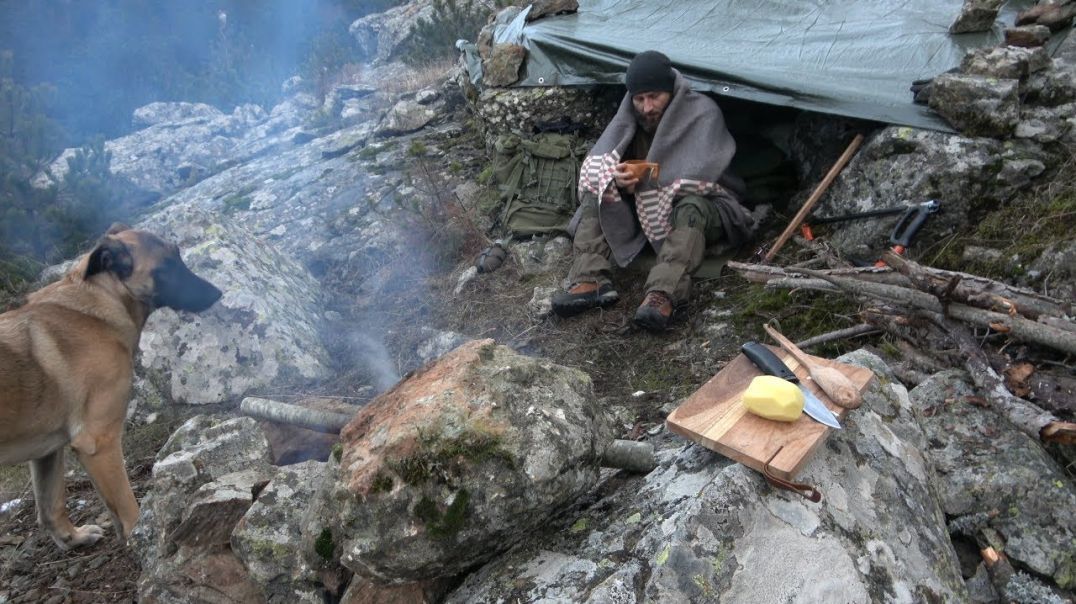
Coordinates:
(689,203)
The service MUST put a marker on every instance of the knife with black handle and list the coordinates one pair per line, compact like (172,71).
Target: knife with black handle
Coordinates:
(771,364)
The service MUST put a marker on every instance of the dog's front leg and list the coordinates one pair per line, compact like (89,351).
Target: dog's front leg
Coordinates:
(103,460)
(48,477)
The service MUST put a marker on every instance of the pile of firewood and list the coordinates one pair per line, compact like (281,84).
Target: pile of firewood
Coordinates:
(941,318)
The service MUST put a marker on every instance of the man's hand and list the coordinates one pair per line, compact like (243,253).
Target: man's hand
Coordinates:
(625,180)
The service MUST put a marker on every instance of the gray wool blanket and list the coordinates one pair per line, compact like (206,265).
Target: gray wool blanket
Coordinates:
(693,148)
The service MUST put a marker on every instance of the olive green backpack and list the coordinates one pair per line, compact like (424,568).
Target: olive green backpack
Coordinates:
(538,178)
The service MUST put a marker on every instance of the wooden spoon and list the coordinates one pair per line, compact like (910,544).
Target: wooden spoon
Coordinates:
(835,384)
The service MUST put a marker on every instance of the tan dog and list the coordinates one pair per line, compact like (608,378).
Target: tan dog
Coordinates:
(66,363)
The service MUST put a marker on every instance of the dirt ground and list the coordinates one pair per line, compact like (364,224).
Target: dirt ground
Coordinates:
(34,570)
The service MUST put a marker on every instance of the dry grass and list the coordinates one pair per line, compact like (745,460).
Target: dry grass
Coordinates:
(419,78)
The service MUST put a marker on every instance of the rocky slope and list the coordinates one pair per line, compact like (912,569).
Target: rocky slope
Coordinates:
(342,230)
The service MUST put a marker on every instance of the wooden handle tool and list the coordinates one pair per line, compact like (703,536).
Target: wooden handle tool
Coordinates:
(835,384)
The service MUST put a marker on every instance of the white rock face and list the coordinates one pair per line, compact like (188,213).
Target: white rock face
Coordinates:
(263,331)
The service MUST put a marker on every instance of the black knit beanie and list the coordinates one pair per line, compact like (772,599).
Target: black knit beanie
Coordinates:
(650,71)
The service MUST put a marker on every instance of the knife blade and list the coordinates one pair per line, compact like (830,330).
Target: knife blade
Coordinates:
(771,364)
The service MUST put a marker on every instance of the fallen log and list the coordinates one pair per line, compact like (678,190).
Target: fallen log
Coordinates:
(294,415)
(630,455)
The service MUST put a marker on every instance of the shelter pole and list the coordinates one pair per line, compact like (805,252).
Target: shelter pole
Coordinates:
(842,161)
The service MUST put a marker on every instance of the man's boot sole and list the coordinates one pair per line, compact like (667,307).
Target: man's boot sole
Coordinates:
(651,320)
(571,308)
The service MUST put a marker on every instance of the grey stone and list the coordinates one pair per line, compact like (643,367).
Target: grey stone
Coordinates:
(501,68)
(204,450)
(216,507)
(268,538)
(1053,87)
(1056,270)
(983,465)
(899,166)
(1005,62)
(977,105)
(1019,172)
(404,117)
(980,589)
(438,343)
(540,305)
(540,256)
(380,35)
(517,110)
(1044,125)
(157,113)
(182,134)
(976,15)
(1028,36)
(542,8)
(467,276)
(427,96)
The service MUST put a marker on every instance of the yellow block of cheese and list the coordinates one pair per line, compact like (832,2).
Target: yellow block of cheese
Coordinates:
(773,398)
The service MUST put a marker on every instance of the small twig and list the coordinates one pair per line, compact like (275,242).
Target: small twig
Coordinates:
(840,334)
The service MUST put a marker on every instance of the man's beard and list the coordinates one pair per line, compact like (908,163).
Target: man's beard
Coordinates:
(647,123)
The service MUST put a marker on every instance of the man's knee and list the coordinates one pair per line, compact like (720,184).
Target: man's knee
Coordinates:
(688,216)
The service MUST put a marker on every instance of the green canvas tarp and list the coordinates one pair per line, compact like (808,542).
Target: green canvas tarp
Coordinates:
(855,58)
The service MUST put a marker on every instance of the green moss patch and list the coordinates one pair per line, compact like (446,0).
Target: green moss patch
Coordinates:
(443,524)
(324,545)
(438,457)
(1020,231)
(798,314)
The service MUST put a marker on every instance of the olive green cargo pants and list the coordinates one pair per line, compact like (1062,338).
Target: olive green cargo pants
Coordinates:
(695,225)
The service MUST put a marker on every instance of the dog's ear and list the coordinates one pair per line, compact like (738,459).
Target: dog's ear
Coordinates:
(110,256)
(117,227)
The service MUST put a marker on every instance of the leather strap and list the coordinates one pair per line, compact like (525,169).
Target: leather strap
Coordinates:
(802,489)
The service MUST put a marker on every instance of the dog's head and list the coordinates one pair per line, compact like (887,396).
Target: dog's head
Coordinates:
(151,269)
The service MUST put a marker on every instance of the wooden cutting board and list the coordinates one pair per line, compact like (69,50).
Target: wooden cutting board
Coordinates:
(716,418)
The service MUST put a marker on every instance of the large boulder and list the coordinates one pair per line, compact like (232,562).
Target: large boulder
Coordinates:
(991,475)
(263,331)
(458,462)
(701,528)
(901,166)
(206,476)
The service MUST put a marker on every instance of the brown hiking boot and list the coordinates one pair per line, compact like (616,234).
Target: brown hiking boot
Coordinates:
(654,312)
(584,296)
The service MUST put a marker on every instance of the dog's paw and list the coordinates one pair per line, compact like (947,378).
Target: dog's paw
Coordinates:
(87,534)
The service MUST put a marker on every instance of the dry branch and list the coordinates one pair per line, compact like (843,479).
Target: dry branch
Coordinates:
(1029,418)
(840,334)
(1016,327)
(978,291)
(763,273)
(815,196)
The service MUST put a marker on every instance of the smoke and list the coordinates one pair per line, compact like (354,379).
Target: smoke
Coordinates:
(106,58)
(375,356)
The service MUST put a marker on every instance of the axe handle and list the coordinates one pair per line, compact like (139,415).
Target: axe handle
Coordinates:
(815,196)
